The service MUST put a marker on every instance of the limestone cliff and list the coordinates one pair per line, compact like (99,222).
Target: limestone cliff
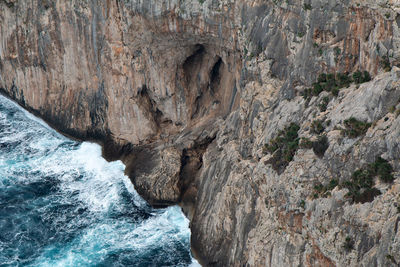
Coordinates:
(196,97)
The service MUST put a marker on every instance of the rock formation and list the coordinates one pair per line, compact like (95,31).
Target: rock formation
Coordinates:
(192,95)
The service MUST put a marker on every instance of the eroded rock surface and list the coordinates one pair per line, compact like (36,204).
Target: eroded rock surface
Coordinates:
(187,93)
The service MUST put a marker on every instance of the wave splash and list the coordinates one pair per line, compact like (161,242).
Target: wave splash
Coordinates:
(62,204)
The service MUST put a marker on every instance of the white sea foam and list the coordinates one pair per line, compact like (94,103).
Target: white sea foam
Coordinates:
(7,102)
(101,185)
(95,243)
(195,263)
(83,176)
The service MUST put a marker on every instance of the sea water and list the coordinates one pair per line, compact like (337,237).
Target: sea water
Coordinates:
(62,204)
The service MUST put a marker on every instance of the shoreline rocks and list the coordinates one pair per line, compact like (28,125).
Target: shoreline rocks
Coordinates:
(187,93)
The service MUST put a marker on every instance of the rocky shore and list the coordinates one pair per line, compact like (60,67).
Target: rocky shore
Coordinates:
(274,124)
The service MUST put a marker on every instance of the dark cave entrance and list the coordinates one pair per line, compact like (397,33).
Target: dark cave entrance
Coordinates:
(204,72)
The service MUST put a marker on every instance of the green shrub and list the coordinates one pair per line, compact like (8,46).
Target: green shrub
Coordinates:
(283,147)
(301,34)
(361,186)
(322,78)
(383,170)
(333,82)
(317,127)
(366,76)
(361,77)
(348,244)
(357,76)
(307,6)
(330,77)
(391,258)
(324,104)
(321,190)
(320,146)
(355,128)
(317,89)
(343,80)
(335,91)
(332,184)
(385,64)
(305,143)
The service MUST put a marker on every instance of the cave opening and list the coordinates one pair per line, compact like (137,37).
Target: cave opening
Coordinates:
(215,75)
(192,62)
(204,81)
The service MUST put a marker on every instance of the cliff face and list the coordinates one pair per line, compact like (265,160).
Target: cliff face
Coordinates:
(187,93)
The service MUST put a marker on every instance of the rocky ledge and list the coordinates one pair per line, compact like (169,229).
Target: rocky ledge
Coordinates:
(274,124)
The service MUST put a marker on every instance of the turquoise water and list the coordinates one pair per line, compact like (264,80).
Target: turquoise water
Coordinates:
(62,204)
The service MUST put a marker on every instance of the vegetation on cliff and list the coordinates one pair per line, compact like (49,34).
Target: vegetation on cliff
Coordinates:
(361,185)
(283,147)
(333,82)
(355,128)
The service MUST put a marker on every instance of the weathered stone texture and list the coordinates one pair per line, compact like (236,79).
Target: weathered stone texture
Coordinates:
(187,93)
